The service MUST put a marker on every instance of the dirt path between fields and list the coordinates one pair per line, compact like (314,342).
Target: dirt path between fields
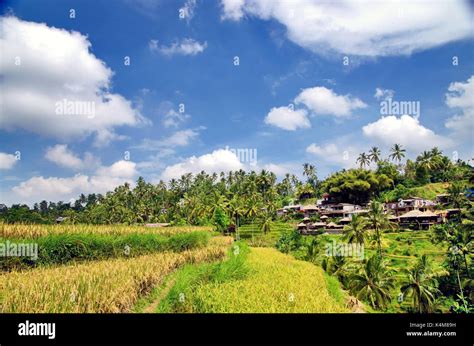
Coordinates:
(154,305)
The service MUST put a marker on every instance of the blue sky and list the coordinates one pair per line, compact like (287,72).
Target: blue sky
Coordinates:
(291,97)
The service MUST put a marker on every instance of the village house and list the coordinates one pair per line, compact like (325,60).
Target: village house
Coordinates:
(417,219)
(409,204)
(332,228)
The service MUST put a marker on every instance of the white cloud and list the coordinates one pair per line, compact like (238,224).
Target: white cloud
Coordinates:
(461,95)
(287,118)
(62,156)
(363,28)
(174,119)
(187,46)
(54,66)
(381,93)
(180,138)
(55,188)
(232,9)
(120,169)
(406,131)
(218,161)
(324,101)
(187,10)
(7,161)
(334,153)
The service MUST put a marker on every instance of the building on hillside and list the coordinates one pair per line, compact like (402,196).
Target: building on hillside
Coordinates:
(310,209)
(345,221)
(409,204)
(316,225)
(332,228)
(417,219)
(442,198)
(448,214)
(340,209)
(61,219)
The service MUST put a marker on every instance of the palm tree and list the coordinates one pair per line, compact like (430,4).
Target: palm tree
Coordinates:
(355,231)
(373,282)
(378,221)
(265,223)
(397,153)
(421,285)
(456,194)
(363,160)
(374,154)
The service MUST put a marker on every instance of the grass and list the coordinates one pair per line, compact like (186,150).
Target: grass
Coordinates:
(97,287)
(35,231)
(191,277)
(252,235)
(262,281)
(428,191)
(62,248)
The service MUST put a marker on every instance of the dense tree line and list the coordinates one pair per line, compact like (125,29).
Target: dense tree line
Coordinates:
(241,197)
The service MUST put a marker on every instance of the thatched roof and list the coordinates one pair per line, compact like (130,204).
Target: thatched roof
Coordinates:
(345,219)
(331,224)
(317,224)
(418,213)
(301,225)
(324,217)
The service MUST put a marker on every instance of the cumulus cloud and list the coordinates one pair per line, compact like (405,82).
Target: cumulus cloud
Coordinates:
(363,28)
(180,138)
(287,118)
(406,131)
(384,94)
(218,161)
(54,86)
(186,46)
(324,101)
(334,153)
(7,161)
(461,95)
(61,155)
(232,9)
(174,119)
(55,188)
(187,10)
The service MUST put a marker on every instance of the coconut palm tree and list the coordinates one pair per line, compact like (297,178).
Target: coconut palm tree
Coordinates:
(265,223)
(373,282)
(375,154)
(355,231)
(363,160)
(378,221)
(397,153)
(421,285)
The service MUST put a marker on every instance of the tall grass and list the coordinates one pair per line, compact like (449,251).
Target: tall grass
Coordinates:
(189,278)
(101,286)
(267,282)
(63,248)
(35,231)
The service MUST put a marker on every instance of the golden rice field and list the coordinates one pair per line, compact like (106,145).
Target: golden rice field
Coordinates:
(276,283)
(34,231)
(101,286)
